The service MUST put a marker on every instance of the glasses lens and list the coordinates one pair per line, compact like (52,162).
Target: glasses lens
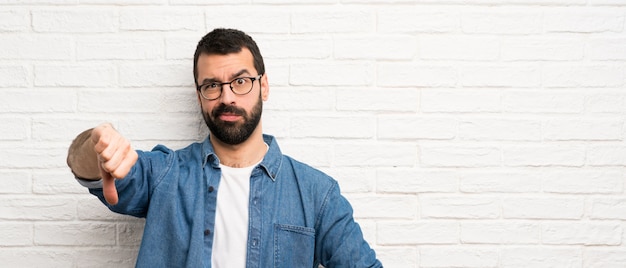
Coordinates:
(242,85)
(210,91)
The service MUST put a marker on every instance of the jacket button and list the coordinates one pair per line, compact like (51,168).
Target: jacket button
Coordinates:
(207,232)
(211,189)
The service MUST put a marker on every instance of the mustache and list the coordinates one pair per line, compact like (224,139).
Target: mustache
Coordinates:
(230,109)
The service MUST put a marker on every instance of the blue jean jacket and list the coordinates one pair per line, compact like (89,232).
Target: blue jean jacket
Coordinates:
(297,216)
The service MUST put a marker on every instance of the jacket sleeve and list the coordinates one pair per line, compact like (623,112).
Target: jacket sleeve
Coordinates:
(135,189)
(339,238)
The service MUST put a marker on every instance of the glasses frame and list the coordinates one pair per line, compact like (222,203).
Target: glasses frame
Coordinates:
(230,84)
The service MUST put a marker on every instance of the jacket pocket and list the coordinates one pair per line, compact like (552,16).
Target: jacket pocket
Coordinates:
(294,246)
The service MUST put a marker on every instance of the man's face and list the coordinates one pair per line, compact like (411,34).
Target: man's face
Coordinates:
(231,118)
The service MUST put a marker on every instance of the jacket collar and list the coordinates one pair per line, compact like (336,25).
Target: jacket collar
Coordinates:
(270,163)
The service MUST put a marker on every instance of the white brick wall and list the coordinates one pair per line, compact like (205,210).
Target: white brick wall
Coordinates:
(486,133)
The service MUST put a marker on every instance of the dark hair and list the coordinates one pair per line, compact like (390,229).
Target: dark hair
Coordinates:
(225,41)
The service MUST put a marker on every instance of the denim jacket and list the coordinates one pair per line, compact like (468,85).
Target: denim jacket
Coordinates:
(297,216)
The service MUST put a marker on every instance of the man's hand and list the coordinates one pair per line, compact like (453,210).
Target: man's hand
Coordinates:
(115,158)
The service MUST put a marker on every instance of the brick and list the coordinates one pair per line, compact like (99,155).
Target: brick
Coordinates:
(417,20)
(76,21)
(607,49)
(300,99)
(500,76)
(564,208)
(171,100)
(15,182)
(397,256)
(500,181)
(170,128)
(122,257)
(16,234)
(387,99)
(338,21)
(14,76)
(540,257)
(317,154)
(204,2)
(607,2)
(158,19)
(606,102)
(413,75)
(123,2)
(583,129)
(37,208)
(542,49)
(119,48)
(500,232)
(457,100)
(459,207)
(409,180)
(276,123)
(584,182)
(16,129)
(544,155)
(606,155)
(582,233)
(136,100)
(459,156)
(251,21)
(61,129)
(35,47)
(37,257)
(458,256)
(32,156)
(40,2)
(332,74)
(332,127)
(533,101)
(56,182)
(69,234)
(405,127)
(46,101)
(613,208)
(90,208)
(295,1)
(490,129)
(182,47)
(575,75)
(354,180)
(604,257)
(75,75)
(376,47)
(494,21)
(381,155)
(384,206)
(294,47)
(454,47)
(14,20)
(417,233)
(584,20)
(277,73)
(156,75)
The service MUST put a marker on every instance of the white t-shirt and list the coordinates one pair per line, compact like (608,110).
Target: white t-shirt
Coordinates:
(230,237)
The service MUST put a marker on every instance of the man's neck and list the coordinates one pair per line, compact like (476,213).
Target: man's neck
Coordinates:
(240,155)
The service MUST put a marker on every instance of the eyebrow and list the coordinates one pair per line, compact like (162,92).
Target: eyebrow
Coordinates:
(232,77)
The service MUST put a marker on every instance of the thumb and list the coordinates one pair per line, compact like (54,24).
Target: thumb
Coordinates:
(108,187)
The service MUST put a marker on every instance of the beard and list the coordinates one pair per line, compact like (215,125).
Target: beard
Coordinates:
(233,133)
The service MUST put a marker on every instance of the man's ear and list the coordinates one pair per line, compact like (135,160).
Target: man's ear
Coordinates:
(265,88)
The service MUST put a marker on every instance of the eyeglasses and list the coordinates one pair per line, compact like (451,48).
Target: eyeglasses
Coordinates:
(239,86)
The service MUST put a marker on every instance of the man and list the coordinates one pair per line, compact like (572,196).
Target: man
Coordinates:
(233,200)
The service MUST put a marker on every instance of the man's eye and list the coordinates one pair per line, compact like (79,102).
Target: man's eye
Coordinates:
(212,86)
(240,81)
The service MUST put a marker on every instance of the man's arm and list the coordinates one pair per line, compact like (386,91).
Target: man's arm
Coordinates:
(101,153)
